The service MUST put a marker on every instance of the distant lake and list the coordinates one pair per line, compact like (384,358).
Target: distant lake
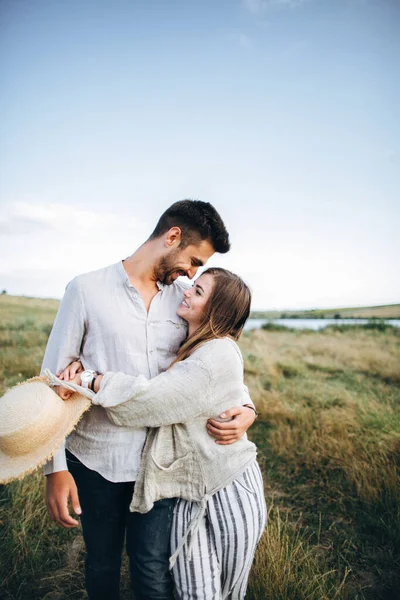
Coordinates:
(312,323)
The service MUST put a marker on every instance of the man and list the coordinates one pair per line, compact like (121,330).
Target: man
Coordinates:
(123,318)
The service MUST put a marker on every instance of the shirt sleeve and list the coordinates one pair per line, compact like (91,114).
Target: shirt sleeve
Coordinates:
(66,337)
(176,396)
(64,346)
(58,462)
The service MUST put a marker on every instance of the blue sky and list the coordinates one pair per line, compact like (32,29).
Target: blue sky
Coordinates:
(282,113)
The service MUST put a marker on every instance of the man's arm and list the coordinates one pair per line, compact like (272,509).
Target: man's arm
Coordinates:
(65,341)
(63,347)
(242,417)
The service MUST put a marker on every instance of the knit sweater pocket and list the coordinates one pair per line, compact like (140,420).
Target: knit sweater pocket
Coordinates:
(171,461)
(169,469)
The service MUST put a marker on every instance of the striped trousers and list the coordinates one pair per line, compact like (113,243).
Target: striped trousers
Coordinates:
(225,542)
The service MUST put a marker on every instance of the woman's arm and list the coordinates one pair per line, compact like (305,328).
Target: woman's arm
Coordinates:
(180,394)
(176,396)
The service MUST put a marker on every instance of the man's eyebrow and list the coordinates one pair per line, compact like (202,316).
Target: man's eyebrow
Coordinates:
(196,262)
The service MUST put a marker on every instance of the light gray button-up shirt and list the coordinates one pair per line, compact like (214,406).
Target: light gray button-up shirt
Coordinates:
(103,322)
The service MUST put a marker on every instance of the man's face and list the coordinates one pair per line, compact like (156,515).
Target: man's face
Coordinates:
(179,262)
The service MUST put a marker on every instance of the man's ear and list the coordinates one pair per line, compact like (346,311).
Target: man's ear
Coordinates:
(173,237)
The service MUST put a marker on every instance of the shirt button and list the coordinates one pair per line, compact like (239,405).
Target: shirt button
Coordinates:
(177,325)
(151,351)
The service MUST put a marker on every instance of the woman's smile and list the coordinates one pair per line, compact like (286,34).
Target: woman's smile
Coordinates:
(193,305)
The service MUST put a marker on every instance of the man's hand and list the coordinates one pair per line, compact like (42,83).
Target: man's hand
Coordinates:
(59,488)
(231,431)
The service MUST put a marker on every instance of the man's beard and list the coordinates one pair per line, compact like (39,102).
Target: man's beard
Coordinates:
(166,271)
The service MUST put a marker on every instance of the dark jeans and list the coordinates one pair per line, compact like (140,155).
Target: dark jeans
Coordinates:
(105,521)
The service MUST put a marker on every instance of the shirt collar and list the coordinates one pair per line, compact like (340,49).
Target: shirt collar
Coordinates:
(125,278)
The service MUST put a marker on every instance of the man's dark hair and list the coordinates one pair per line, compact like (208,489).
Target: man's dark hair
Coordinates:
(198,221)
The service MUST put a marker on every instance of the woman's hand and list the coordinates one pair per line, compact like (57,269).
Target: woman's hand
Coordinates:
(63,392)
(69,372)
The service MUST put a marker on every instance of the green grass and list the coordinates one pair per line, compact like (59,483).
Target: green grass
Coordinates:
(329,445)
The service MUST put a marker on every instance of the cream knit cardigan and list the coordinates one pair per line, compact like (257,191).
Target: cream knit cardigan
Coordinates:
(180,459)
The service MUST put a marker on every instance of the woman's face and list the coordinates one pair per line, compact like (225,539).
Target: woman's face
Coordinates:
(194,301)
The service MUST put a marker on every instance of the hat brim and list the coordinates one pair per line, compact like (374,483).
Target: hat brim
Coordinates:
(17,467)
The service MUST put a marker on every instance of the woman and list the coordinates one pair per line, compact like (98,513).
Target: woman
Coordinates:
(220,513)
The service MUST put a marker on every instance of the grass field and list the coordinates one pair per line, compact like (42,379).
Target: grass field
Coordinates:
(329,440)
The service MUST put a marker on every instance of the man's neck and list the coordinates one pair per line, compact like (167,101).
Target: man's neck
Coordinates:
(140,267)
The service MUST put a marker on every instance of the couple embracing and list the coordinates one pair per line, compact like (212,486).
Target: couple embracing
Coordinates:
(161,461)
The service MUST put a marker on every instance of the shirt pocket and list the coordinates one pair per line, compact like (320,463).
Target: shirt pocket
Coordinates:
(173,333)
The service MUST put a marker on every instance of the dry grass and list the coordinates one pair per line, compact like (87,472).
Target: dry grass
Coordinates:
(330,435)
(329,441)
(39,559)
(26,303)
(288,565)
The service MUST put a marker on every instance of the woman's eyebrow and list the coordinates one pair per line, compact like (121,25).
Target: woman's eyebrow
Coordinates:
(200,288)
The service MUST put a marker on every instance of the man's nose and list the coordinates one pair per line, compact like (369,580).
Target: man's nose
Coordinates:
(192,272)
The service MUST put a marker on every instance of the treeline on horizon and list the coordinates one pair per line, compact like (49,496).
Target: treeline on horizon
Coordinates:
(387,311)
(384,311)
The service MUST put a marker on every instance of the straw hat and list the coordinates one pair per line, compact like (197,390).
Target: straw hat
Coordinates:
(34,421)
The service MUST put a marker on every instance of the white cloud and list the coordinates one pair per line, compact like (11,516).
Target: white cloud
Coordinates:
(290,259)
(42,246)
(258,7)
(20,218)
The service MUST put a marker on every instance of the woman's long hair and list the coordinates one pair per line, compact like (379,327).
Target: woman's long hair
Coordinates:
(225,313)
